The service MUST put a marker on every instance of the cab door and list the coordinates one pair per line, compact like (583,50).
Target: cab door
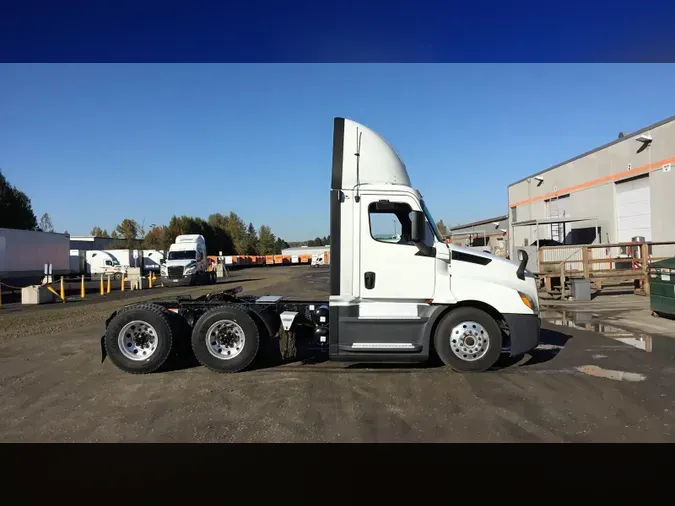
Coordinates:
(391,266)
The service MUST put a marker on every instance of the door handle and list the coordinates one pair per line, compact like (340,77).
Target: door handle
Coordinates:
(369,279)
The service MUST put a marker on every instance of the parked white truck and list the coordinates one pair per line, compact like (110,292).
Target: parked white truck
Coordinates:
(95,263)
(186,262)
(24,253)
(389,301)
(153,260)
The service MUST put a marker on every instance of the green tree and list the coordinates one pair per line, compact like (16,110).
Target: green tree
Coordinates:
(98,232)
(114,235)
(266,240)
(46,223)
(236,229)
(279,244)
(442,228)
(156,238)
(251,240)
(16,210)
(221,237)
(128,229)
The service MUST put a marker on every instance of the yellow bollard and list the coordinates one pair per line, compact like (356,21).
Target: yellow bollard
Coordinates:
(150,280)
(122,285)
(63,293)
(82,288)
(108,284)
(102,290)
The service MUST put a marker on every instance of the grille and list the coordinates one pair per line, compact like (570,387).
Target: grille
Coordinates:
(175,272)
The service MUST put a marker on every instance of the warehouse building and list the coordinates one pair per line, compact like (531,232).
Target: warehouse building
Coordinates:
(490,235)
(89,242)
(614,193)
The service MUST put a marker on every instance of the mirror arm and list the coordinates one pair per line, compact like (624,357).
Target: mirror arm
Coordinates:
(424,250)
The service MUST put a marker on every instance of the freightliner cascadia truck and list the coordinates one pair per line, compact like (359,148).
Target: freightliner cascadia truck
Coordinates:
(400,299)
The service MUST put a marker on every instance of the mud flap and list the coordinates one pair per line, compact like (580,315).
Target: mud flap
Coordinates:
(103,352)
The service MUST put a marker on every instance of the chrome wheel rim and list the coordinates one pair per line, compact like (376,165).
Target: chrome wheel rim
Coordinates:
(469,341)
(225,339)
(138,340)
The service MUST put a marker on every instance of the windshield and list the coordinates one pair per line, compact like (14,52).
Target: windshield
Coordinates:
(115,261)
(182,255)
(431,221)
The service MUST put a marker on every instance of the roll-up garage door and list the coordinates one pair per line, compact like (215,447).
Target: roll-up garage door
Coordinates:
(633,209)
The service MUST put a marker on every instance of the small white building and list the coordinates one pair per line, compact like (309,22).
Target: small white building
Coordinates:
(305,250)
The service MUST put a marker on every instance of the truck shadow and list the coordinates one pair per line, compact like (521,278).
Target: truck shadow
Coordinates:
(551,343)
(284,350)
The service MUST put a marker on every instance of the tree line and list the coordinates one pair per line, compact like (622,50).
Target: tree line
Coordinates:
(226,233)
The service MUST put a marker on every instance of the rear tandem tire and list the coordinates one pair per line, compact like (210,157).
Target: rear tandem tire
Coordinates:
(474,335)
(151,316)
(236,345)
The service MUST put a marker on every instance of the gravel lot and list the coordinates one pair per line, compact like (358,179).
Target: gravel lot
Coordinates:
(21,321)
(578,386)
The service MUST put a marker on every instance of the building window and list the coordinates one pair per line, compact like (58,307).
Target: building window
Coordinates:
(514,214)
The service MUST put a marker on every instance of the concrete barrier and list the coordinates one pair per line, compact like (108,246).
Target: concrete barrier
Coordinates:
(135,279)
(36,294)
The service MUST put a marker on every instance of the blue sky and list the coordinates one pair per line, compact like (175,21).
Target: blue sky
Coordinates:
(92,144)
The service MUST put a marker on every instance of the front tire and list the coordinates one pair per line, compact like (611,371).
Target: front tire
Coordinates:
(139,339)
(468,340)
(225,339)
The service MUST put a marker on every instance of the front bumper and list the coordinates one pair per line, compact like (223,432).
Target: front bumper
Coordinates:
(184,281)
(524,332)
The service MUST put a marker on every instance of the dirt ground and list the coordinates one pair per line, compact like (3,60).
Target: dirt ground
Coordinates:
(577,386)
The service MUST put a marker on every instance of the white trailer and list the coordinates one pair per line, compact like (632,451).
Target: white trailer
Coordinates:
(153,260)
(126,257)
(95,263)
(186,262)
(390,301)
(24,253)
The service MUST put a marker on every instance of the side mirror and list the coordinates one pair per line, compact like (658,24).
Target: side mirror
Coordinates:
(418,227)
(418,233)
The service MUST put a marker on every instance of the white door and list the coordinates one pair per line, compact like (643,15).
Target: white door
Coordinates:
(391,266)
(633,209)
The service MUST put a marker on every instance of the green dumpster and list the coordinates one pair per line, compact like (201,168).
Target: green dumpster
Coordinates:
(662,287)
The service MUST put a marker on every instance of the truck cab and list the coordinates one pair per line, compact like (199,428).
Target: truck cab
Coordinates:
(396,285)
(186,262)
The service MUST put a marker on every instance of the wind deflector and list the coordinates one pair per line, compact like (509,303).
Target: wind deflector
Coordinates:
(338,152)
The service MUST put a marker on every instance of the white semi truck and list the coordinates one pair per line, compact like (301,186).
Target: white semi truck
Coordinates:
(186,262)
(95,263)
(389,301)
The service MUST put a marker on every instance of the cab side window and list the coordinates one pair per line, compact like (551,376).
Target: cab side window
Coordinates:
(390,222)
